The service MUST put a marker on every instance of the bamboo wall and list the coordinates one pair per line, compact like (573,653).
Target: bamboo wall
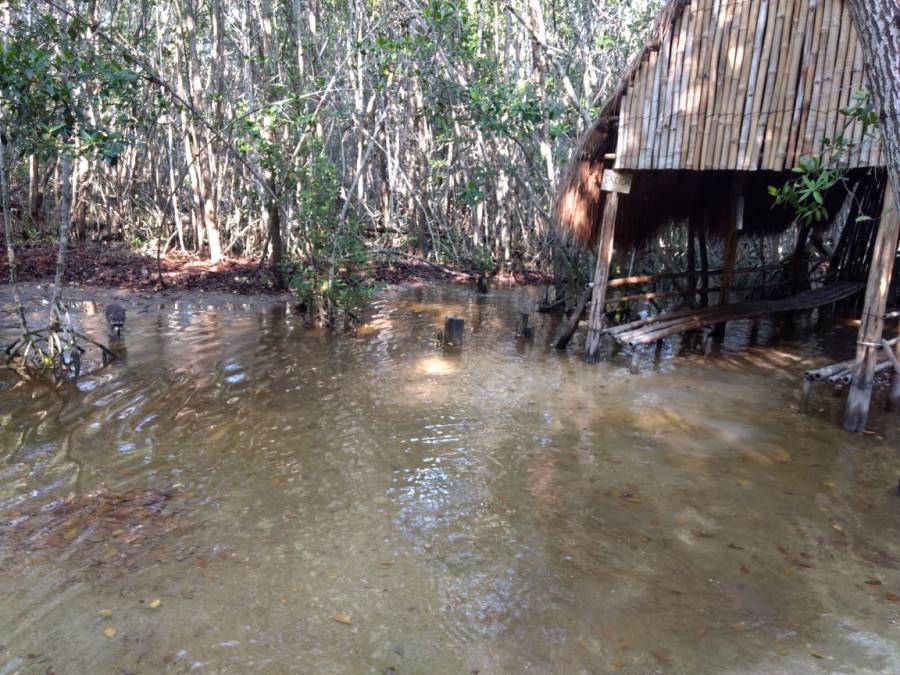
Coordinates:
(744,85)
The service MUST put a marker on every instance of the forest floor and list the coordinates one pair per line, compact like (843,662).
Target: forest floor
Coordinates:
(122,268)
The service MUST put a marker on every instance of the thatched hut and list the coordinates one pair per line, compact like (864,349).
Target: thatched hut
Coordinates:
(723,101)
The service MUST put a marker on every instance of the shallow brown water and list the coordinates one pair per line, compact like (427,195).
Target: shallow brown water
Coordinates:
(504,509)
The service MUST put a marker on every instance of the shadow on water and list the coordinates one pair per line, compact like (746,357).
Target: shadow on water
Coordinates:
(496,508)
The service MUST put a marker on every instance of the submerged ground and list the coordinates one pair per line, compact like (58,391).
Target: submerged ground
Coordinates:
(241,494)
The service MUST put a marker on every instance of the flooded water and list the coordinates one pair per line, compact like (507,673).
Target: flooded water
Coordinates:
(242,494)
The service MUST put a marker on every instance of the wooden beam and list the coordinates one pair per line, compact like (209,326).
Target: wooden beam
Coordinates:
(872,324)
(597,318)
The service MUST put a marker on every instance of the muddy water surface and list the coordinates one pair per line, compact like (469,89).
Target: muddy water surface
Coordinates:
(241,494)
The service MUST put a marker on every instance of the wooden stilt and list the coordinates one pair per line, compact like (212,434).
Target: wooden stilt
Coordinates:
(597,317)
(691,263)
(453,331)
(636,361)
(872,324)
(729,258)
(704,269)
(804,397)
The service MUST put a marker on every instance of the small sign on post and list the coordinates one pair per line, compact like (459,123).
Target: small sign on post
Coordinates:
(616,181)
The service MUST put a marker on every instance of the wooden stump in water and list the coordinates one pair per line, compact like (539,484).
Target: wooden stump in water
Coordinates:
(524,330)
(453,331)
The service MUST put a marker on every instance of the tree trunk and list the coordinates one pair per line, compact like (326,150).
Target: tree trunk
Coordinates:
(878,25)
(8,235)
(65,202)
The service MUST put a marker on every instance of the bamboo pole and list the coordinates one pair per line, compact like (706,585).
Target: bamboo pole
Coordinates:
(743,62)
(789,101)
(801,103)
(597,317)
(835,76)
(743,158)
(700,118)
(688,69)
(872,324)
(726,77)
(764,83)
(821,46)
(785,10)
(709,136)
(651,99)
(660,86)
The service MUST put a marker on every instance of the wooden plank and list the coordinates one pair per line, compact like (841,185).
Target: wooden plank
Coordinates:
(597,317)
(655,328)
(622,134)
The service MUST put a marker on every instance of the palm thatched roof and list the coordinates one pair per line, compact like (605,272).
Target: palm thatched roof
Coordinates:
(732,91)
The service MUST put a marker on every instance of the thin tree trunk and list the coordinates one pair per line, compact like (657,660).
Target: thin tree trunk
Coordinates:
(8,235)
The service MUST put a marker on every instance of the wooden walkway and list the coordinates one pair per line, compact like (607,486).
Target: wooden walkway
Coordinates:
(652,329)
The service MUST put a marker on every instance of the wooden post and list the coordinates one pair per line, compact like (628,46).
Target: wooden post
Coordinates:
(704,269)
(730,256)
(804,397)
(453,331)
(597,318)
(872,323)
(691,263)
(524,330)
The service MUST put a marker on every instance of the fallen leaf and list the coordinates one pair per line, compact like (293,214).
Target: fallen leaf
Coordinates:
(828,483)
(744,569)
(873,582)
(110,632)
(344,618)
(816,655)
(837,527)
(736,547)
(105,613)
(154,603)
(892,597)
(616,663)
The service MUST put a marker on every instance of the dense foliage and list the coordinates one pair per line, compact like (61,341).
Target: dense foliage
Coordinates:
(316,134)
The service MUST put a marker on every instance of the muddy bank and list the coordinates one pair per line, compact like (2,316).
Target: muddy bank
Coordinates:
(120,268)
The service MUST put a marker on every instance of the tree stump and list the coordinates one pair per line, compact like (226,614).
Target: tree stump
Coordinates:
(523,330)
(453,331)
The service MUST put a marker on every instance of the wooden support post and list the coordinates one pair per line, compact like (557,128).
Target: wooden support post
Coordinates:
(524,330)
(597,317)
(729,258)
(636,360)
(704,269)
(872,323)
(691,263)
(804,398)
(453,331)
